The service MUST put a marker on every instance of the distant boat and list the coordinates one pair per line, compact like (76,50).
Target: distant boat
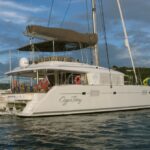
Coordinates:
(61,85)
(3,102)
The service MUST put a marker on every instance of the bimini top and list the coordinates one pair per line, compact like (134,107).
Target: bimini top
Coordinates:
(58,39)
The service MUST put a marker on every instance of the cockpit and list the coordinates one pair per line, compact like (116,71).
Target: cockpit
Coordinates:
(43,80)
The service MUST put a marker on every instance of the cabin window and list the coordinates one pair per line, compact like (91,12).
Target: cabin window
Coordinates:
(22,84)
(44,80)
(65,78)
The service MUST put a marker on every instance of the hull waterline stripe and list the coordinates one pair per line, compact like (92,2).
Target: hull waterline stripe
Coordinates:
(94,110)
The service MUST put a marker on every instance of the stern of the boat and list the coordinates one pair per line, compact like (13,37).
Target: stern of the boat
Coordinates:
(17,102)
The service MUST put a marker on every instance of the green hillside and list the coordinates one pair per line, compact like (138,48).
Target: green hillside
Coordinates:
(4,86)
(142,73)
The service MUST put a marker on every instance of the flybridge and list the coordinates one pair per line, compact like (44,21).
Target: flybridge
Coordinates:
(58,39)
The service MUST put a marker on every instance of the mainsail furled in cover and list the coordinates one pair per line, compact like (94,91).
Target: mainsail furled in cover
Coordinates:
(64,39)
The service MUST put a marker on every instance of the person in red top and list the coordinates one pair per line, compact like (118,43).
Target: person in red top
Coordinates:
(44,85)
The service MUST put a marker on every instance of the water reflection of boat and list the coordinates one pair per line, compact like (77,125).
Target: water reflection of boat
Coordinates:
(61,85)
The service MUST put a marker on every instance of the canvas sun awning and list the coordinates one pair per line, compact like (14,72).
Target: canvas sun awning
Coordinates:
(58,39)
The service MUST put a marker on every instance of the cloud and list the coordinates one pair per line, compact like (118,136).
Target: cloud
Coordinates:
(140,11)
(137,10)
(117,56)
(11,16)
(18,6)
(15,15)
(19,12)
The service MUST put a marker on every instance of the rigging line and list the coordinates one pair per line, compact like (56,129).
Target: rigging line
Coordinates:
(69,3)
(114,12)
(87,16)
(105,39)
(50,13)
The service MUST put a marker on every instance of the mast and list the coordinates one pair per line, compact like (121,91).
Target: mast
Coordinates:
(127,40)
(33,50)
(10,67)
(95,49)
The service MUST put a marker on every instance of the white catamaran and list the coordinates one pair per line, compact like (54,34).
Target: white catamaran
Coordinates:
(61,85)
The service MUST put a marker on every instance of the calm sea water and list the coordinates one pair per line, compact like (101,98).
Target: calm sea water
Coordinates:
(119,130)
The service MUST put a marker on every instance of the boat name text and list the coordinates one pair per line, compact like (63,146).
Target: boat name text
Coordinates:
(73,99)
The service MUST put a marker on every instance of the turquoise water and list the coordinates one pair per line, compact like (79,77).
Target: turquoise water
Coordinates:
(119,130)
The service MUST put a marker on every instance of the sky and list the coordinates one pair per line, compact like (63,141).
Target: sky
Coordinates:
(15,15)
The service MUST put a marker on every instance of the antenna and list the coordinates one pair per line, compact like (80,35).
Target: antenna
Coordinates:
(127,40)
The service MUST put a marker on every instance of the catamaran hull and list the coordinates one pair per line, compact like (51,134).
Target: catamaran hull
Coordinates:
(78,99)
